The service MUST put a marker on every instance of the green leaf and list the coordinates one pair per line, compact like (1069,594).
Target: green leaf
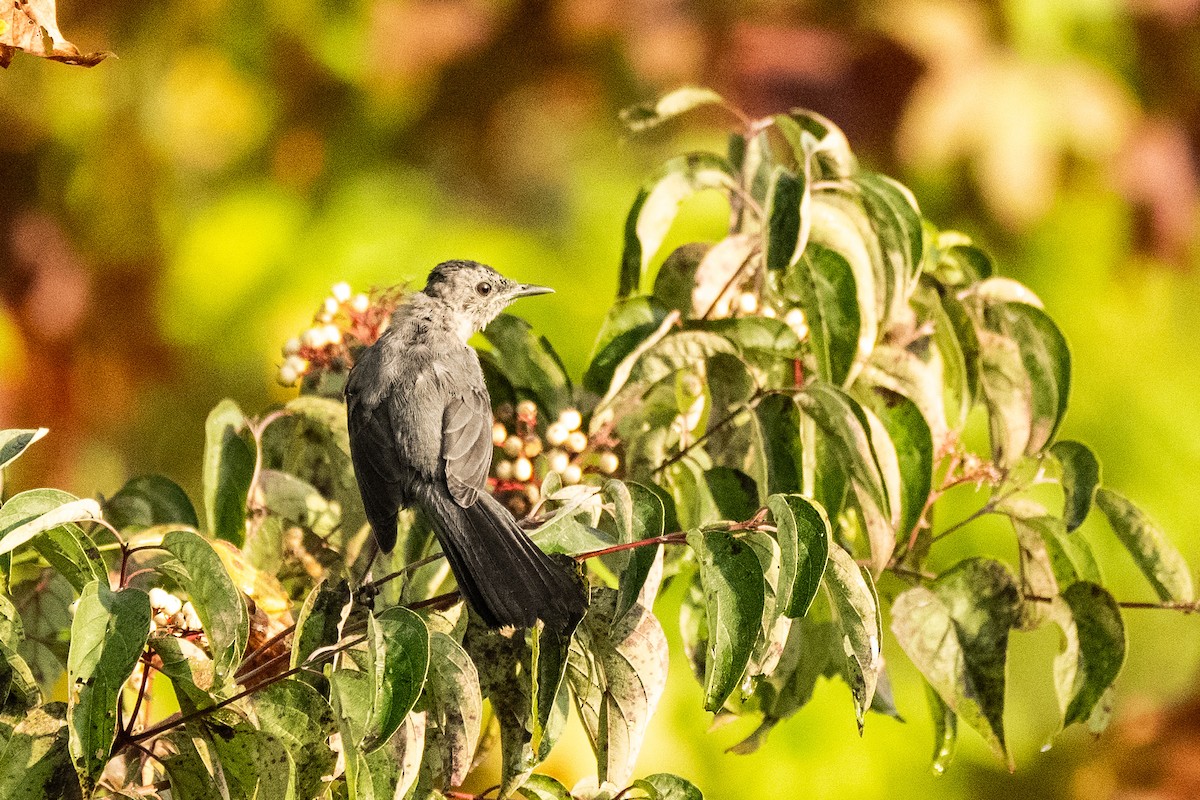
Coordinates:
(454,711)
(150,500)
(734,492)
(548,669)
(1152,551)
(848,430)
(187,770)
(959,262)
(1093,650)
(658,202)
(628,323)
(665,786)
(779,419)
(35,763)
(617,670)
(302,720)
(543,787)
(804,535)
(672,104)
(15,535)
(199,571)
(856,612)
(14,442)
(228,470)
(1008,394)
(319,624)
(1045,362)
(1050,560)
(733,593)
(566,534)
(910,434)
(529,363)
(654,361)
(786,231)
(646,522)
(824,284)
(397,661)
(254,764)
(504,664)
(814,137)
(68,549)
(897,222)
(956,633)
(107,637)
(1080,480)
(945,730)
(190,671)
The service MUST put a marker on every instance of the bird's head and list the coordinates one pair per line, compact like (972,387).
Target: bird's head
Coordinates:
(476,291)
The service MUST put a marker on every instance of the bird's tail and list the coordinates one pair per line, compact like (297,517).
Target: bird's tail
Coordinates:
(505,577)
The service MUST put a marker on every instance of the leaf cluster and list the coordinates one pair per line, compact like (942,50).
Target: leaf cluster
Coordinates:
(789,405)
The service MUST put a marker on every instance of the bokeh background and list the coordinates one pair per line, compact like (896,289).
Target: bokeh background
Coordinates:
(169,218)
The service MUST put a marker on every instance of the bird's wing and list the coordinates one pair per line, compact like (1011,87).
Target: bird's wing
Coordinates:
(467,443)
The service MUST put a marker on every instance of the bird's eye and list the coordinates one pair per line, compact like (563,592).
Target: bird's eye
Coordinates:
(484,289)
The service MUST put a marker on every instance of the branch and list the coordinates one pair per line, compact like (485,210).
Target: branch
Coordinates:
(669,538)
(203,712)
(1166,605)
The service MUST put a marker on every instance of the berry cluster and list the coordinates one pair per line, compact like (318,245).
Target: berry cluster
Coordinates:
(527,457)
(344,323)
(172,614)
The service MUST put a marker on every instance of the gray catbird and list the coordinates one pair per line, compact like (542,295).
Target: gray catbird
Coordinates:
(421,434)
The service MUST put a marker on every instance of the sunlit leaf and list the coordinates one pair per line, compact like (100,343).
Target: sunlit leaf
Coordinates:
(665,786)
(804,536)
(672,104)
(31,26)
(1156,556)
(913,442)
(319,624)
(189,669)
(198,570)
(227,472)
(1080,480)
(1045,365)
(14,442)
(945,730)
(617,671)
(856,613)
(543,787)
(842,419)
(35,763)
(529,363)
(454,711)
(107,637)
(956,633)
(1093,650)
(627,325)
(302,721)
(397,661)
(646,522)
(825,284)
(68,549)
(732,580)
(657,204)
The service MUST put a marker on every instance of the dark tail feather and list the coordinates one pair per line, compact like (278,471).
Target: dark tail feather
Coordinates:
(505,577)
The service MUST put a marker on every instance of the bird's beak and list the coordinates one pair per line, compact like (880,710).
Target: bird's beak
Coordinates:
(529,289)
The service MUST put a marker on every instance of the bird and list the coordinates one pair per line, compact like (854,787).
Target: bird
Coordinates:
(420,424)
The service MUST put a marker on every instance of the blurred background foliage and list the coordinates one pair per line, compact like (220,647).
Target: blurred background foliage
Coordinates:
(169,218)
